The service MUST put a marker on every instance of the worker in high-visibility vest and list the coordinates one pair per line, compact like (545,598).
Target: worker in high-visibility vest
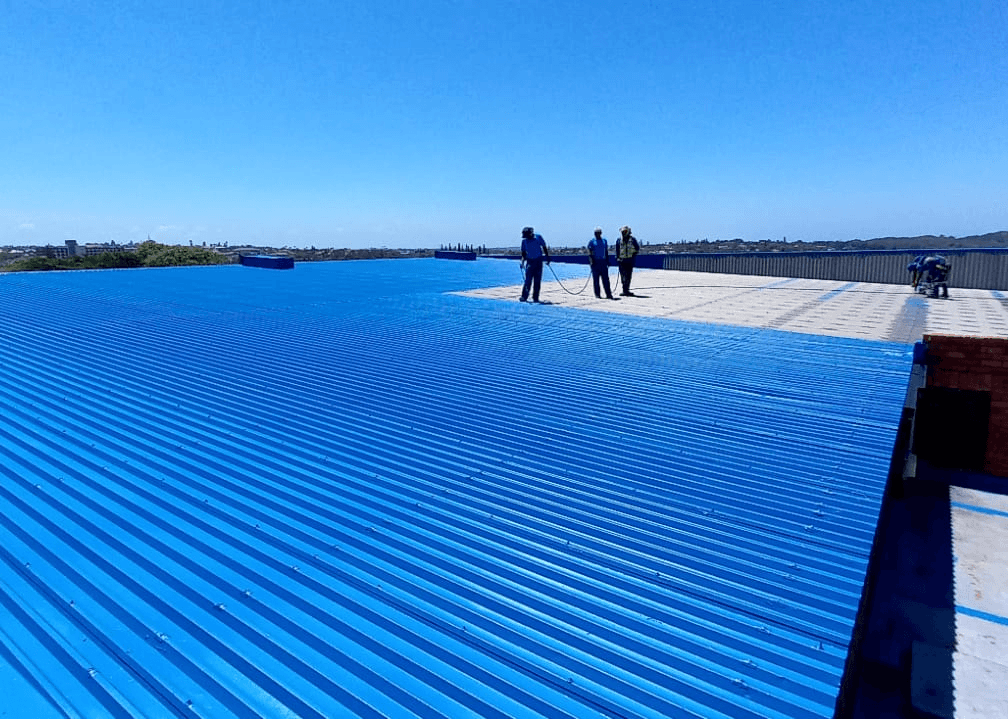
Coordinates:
(627,249)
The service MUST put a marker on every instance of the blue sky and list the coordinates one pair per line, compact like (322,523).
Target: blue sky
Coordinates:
(417,124)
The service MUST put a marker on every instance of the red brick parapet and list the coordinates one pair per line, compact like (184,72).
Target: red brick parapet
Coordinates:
(980,364)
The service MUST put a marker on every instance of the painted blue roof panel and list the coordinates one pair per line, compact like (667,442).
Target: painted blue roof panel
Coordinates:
(342,492)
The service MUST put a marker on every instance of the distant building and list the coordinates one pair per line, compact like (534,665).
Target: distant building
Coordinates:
(69,249)
(94,248)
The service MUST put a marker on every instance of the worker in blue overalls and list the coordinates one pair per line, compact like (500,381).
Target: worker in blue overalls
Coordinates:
(598,257)
(914,268)
(533,254)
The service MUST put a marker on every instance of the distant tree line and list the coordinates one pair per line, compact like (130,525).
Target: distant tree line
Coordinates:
(327,254)
(465,248)
(147,254)
(152,254)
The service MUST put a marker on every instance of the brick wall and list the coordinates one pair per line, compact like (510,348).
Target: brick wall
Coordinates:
(976,363)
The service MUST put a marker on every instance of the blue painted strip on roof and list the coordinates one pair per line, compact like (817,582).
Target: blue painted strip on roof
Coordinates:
(982,510)
(997,294)
(331,494)
(839,290)
(779,283)
(987,616)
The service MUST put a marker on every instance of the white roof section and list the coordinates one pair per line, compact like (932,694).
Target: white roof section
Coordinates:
(860,310)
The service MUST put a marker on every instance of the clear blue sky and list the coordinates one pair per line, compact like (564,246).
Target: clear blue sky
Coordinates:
(417,124)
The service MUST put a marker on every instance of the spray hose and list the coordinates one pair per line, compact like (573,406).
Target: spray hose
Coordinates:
(560,282)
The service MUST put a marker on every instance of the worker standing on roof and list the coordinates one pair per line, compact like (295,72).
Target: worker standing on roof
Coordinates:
(533,253)
(627,248)
(598,258)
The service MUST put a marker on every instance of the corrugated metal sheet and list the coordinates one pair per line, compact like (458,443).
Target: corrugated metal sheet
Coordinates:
(339,492)
(985,269)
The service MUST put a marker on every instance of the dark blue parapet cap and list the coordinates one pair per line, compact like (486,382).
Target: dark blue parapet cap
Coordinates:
(454,255)
(920,353)
(269,261)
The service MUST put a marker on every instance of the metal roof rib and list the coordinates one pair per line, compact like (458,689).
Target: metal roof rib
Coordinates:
(335,492)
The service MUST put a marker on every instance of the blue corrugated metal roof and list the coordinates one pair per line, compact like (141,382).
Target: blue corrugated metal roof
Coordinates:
(338,491)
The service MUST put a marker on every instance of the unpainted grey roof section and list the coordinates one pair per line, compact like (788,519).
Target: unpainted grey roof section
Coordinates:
(339,491)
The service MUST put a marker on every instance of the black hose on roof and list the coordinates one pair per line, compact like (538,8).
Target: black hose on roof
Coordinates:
(587,280)
(522,268)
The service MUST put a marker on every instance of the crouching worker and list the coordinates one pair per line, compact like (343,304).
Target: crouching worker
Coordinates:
(598,258)
(934,272)
(533,253)
(914,268)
